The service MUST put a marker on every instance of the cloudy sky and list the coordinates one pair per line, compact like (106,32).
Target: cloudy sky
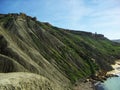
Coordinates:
(101,16)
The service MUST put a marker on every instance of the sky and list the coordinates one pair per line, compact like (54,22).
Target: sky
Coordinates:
(101,16)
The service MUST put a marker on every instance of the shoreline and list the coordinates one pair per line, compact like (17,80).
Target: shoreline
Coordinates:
(115,66)
(94,84)
(115,73)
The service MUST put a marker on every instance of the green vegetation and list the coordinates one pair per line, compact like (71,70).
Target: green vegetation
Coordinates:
(63,56)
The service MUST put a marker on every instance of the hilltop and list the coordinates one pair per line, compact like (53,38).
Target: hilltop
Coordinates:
(118,40)
(61,56)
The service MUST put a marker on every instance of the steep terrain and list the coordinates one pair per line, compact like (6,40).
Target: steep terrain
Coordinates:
(25,81)
(60,56)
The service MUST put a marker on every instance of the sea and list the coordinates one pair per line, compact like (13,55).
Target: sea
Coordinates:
(112,83)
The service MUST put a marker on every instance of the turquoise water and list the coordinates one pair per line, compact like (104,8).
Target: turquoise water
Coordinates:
(112,83)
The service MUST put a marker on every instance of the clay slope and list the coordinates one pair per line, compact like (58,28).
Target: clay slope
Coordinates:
(60,56)
(26,81)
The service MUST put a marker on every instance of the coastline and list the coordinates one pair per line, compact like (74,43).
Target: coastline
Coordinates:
(115,73)
(115,66)
(97,86)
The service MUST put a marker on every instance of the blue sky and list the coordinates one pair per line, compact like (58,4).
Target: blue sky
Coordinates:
(101,16)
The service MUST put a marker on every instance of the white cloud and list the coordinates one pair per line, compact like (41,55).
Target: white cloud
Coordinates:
(90,15)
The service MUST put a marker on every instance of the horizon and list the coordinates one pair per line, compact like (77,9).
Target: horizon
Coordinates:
(82,15)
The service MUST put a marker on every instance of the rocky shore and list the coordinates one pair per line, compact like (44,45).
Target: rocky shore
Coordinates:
(116,68)
(91,82)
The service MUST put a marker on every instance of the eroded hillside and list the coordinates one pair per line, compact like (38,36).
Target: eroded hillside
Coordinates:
(25,81)
(59,55)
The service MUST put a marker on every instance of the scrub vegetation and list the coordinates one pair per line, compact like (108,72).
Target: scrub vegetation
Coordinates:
(59,55)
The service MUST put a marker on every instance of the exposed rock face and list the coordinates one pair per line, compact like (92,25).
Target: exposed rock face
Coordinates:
(18,52)
(59,55)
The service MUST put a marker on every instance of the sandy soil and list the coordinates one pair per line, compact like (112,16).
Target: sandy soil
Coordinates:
(26,81)
(115,66)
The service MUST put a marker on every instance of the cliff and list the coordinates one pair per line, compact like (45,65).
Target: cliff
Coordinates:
(59,55)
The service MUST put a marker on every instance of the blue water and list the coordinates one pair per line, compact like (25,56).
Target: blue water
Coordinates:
(112,83)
